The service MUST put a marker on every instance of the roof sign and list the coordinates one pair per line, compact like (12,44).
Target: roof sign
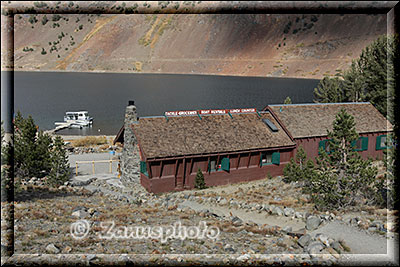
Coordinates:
(270,125)
(209,112)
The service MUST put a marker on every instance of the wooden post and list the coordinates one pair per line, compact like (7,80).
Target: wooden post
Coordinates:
(238,161)
(110,166)
(76,168)
(93,166)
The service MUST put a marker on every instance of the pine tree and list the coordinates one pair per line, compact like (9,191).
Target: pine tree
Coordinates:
(199,181)
(287,101)
(43,153)
(329,90)
(299,169)
(24,146)
(342,178)
(371,78)
(60,170)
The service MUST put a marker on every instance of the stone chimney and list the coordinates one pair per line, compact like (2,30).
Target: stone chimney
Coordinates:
(130,154)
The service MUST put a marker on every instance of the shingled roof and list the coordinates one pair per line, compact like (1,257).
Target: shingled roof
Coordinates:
(308,120)
(188,135)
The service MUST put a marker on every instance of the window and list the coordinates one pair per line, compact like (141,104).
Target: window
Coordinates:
(223,164)
(212,164)
(324,144)
(382,142)
(268,158)
(143,168)
(360,144)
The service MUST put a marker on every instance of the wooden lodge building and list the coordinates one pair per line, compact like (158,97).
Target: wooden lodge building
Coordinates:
(236,145)
(309,123)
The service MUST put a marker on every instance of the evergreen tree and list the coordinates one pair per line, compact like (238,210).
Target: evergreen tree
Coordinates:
(329,90)
(25,147)
(199,181)
(370,78)
(60,171)
(44,144)
(287,101)
(342,178)
(298,169)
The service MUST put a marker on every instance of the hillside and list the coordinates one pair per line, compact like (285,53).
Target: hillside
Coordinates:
(294,45)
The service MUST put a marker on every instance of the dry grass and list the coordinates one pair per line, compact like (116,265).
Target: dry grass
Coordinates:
(89,141)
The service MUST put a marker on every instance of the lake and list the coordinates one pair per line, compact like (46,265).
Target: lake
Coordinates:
(48,95)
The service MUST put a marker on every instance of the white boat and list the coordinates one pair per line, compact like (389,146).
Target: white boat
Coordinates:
(76,119)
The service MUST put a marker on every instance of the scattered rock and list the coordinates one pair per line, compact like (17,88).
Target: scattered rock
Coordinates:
(277,211)
(315,247)
(312,223)
(304,240)
(80,214)
(236,221)
(51,248)
(66,250)
(288,212)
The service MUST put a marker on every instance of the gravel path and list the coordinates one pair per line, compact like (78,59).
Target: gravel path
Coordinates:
(248,216)
(358,240)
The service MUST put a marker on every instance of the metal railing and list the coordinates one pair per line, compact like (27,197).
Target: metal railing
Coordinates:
(93,163)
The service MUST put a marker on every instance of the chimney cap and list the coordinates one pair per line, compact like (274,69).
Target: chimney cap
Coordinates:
(131,103)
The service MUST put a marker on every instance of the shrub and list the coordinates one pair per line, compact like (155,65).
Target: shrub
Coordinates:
(199,181)
(90,141)
(44,20)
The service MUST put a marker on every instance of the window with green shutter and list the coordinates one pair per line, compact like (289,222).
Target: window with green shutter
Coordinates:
(360,144)
(266,158)
(276,158)
(225,164)
(212,164)
(143,168)
(324,144)
(381,142)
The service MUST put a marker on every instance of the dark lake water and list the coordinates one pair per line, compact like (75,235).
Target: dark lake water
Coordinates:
(48,95)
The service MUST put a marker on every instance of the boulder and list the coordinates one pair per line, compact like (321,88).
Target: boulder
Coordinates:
(312,223)
(51,248)
(315,247)
(277,211)
(304,240)
(80,214)
(288,212)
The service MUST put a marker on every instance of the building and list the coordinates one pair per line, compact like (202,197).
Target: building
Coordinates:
(309,123)
(236,145)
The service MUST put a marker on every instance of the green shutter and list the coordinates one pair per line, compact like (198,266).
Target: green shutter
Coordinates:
(143,168)
(276,158)
(364,143)
(322,144)
(225,164)
(378,142)
(209,165)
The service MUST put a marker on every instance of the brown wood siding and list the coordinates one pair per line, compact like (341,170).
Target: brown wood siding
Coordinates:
(155,168)
(255,159)
(254,172)
(244,158)
(311,145)
(233,161)
(168,168)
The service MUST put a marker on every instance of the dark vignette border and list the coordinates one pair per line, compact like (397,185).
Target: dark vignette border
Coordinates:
(10,8)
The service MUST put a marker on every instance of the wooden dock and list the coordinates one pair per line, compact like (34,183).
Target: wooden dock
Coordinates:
(60,127)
